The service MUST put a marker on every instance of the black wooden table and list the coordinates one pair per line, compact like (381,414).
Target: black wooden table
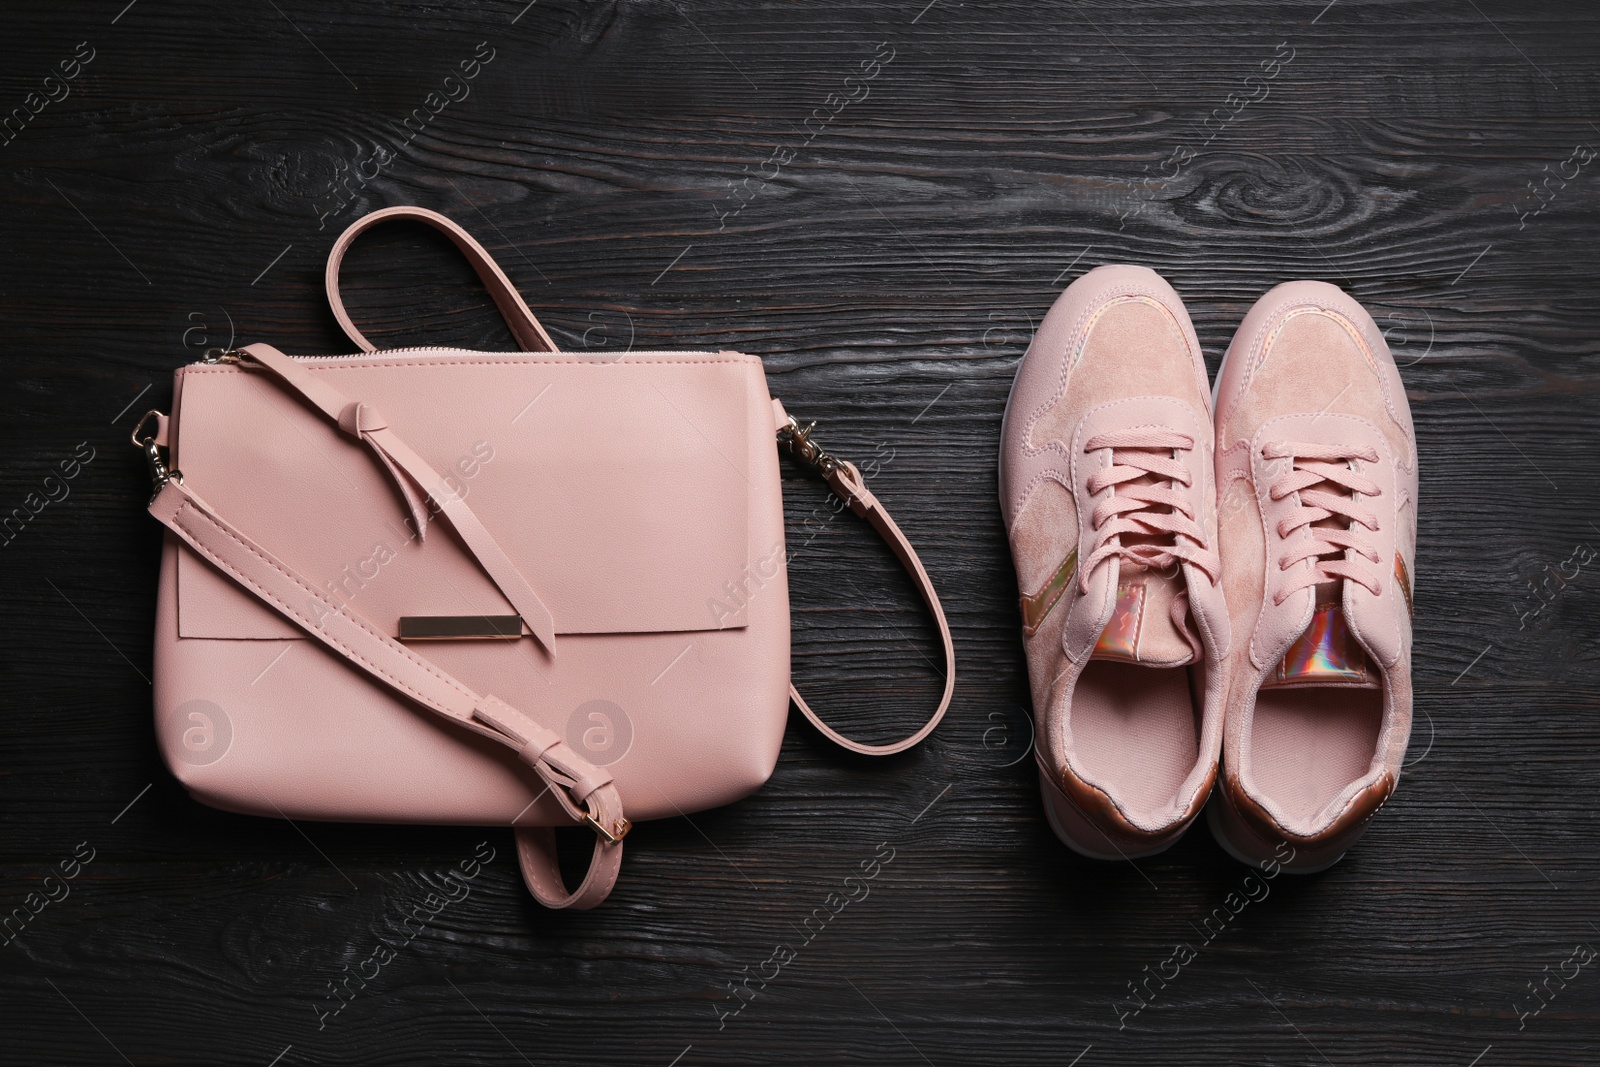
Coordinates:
(881,200)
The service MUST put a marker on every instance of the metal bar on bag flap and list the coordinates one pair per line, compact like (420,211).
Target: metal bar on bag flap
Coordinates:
(459,627)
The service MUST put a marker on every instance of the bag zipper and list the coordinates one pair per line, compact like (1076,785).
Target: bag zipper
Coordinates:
(216,356)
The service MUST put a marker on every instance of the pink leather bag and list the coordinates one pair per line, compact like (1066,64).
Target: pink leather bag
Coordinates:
(597,631)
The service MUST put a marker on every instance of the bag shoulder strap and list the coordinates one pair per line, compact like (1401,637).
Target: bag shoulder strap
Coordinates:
(586,793)
(841,475)
(844,478)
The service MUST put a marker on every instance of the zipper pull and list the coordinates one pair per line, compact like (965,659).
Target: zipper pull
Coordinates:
(223,355)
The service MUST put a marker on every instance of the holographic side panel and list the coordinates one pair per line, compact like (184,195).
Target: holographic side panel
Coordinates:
(1120,639)
(1326,653)
(1039,605)
(1401,576)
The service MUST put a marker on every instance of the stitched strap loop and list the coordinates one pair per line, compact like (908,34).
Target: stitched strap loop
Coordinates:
(356,418)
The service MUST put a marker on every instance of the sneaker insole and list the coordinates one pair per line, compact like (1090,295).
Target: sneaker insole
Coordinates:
(1134,732)
(1307,744)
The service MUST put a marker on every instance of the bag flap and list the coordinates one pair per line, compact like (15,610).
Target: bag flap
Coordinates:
(619,489)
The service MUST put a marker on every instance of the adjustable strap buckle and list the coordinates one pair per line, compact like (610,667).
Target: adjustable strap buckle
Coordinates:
(613,835)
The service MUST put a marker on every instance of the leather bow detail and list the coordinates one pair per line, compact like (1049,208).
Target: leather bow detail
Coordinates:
(426,493)
(362,421)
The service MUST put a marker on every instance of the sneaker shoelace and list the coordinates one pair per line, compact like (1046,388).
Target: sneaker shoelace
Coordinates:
(1150,521)
(1331,512)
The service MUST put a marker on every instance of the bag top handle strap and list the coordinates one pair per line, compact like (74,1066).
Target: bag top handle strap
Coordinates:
(529,334)
(844,478)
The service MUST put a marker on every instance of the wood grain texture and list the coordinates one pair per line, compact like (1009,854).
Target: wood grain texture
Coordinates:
(186,190)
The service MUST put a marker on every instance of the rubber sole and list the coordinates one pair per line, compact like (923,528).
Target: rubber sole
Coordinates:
(1059,812)
(1217,820)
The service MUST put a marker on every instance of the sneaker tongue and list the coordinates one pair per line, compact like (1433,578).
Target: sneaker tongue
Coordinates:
(1327,653)
(1141,629)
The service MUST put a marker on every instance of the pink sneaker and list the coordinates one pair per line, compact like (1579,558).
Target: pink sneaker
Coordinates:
(1317,489)
(1106,488)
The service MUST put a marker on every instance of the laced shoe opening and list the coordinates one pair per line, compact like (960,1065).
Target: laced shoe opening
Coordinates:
(1319,713)
(1136,717)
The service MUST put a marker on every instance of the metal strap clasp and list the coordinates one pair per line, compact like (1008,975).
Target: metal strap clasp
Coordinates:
(154,455)
(797,439)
